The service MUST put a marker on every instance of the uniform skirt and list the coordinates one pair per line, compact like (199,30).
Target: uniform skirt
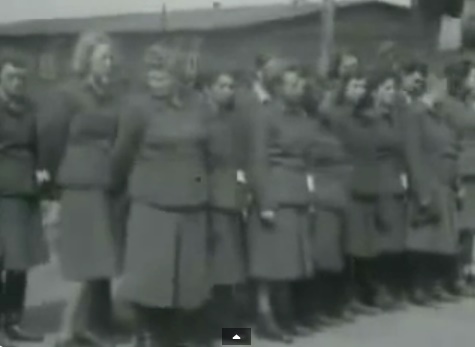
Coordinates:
(328,226)
(167,263)
(440,237)
(466,219)
(376,226)
(228,265)
(89,241)
(281,251)
(22,241)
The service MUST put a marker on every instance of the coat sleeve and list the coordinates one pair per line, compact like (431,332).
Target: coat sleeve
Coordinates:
(54,121)
(327,104)
(418,175)
(130,131)
(246,107)
(259,159)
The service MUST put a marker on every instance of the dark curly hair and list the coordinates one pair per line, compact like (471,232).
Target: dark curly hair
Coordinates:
(336,63)
(414,66)
(456,75)
(375,80)
(342,87)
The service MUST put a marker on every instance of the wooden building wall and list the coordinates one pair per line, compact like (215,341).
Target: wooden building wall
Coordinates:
(360,28)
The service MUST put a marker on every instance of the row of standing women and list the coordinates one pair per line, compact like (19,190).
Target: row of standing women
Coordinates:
(334,203)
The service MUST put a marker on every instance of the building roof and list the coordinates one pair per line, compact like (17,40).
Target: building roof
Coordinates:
(183,20)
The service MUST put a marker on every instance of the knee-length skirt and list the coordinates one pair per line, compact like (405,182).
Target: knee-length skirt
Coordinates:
(328,229)
(466,218)
(376,225)
(167,263)
(89,240)
(440,237)
(22,241)
(228,266)
(281,251)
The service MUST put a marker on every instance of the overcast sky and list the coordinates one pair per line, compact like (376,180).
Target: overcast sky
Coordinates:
(13,10)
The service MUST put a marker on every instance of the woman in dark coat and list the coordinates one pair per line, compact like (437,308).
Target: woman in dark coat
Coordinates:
(333,122)
(432,154)
(331,170)
(228,195)
(79,131)
(460,110)
(413,76)
(373,138)
(279,239)
(22,243)
(163,156)
(344,65)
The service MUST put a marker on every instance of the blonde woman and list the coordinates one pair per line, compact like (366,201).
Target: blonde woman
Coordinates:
(163,147)
(79,132)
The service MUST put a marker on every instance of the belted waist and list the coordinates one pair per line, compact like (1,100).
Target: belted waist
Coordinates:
(102,144)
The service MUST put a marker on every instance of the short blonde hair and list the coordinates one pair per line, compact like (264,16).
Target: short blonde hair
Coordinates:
(84,49)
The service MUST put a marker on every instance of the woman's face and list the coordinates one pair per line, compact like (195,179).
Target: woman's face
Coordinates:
(293,86)
(13,80)
(355,89)
(470,81)
(223,90)
(386,92)
(160,83)
(101,62)
(413,83)
(348,65)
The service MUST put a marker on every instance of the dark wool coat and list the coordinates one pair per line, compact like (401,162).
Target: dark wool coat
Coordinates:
(78,130)
(163,156)
(331,170)
(228,196)
(461,117)
(433,152)
(280,166)
(22,243)
(377,221)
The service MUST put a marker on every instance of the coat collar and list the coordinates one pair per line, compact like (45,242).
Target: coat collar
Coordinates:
(98,92)
(15,107)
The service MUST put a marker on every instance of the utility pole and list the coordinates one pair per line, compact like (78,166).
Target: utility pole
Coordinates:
(164,18)
(327,37)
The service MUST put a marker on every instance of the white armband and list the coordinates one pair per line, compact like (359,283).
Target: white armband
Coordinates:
(310,183)
(241,177)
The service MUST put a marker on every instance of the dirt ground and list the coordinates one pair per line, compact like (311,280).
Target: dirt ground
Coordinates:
(448,325)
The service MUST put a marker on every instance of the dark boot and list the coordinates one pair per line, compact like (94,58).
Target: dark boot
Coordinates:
(70,342)
(267,328)
(384,300)
(92,339)
(146,339)
(285,309)
(14,296)
(463,289)
(359,308)
(441,294)
(15,332)
(5,341)
(420,298)
(355,291)
(336,297)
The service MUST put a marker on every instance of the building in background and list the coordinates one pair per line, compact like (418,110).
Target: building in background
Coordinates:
(228,37)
